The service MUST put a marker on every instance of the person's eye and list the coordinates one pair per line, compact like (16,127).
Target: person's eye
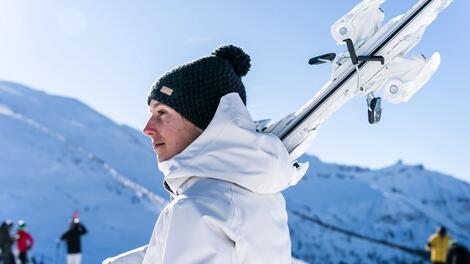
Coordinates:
(161,112)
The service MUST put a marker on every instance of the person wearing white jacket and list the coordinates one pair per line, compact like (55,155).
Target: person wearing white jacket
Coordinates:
(224,176)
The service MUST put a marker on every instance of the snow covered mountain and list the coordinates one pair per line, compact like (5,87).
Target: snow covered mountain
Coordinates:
(58,155)
(347,214)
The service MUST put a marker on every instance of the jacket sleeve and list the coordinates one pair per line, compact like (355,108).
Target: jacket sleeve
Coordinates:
(197,232)
(83,230)
(64,235)
(29,241)
(431,242)
(3,236)
(135,256)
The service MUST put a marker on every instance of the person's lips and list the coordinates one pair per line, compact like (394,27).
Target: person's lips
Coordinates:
(157,145)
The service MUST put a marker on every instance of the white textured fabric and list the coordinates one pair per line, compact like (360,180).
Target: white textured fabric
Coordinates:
(74,258)
(227,206)
(134,256)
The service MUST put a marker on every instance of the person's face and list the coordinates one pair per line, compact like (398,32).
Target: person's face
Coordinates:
(169,131)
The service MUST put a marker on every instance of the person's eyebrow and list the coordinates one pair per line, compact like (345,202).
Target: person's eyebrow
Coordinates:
(153,106)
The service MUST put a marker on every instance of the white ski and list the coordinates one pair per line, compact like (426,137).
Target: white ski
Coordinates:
(374,60)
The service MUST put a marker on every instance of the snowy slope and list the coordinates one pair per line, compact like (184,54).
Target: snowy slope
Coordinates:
(58,155)
(400,204)
(122,147)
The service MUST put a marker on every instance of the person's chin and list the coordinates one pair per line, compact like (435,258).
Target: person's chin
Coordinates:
(162,156)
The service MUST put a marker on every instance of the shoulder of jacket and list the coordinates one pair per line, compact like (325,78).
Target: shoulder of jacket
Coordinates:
(211,199)
(218,190)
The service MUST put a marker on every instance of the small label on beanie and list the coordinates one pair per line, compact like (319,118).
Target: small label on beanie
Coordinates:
(166,90)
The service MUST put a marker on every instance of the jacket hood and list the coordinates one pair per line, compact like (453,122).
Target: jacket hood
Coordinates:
(231,149)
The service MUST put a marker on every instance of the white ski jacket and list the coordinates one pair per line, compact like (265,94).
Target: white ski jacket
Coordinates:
(226,206)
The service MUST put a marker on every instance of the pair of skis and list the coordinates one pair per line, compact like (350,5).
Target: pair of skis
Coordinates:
(374,60)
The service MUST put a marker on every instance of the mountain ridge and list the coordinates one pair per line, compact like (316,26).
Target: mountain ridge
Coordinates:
(61,155)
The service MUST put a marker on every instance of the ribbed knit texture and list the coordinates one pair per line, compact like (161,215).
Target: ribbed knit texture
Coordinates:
(198,85)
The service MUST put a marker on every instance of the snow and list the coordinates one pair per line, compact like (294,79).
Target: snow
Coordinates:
(59,155)
(49,168)
(401,204)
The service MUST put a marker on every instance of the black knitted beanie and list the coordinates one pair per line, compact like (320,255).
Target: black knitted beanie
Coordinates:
(195,88)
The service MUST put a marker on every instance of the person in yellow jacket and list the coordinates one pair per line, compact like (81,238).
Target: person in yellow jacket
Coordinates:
(438,244)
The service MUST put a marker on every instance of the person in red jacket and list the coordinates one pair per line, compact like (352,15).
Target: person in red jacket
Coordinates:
(24,241)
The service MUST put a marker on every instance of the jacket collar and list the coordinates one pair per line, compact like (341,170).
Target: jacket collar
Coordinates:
(231,149)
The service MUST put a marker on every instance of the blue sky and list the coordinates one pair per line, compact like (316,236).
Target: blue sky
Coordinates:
(107,53)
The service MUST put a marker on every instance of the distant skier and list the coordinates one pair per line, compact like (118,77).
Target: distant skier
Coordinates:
(438,244)
(24,242)
(457,254)
(73,236)
(6,241)
(225,178)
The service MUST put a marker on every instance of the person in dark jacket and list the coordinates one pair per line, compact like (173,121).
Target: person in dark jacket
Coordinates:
(457,254)
(6,241)
(72,237)
(24,242)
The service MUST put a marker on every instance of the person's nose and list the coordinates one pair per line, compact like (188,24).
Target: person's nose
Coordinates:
(150,128)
